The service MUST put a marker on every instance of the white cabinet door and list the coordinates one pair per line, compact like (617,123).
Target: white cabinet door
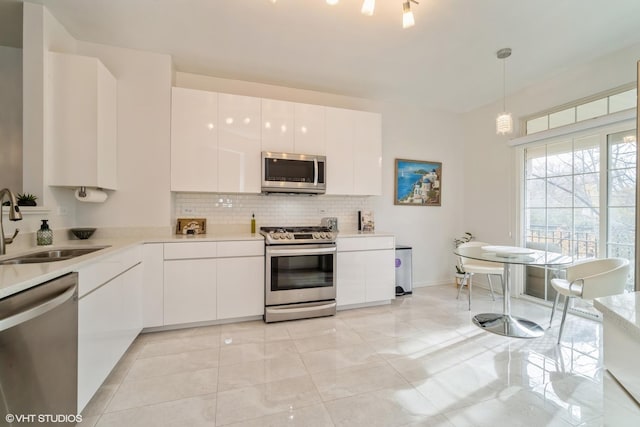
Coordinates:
(367,154)
(309,129)
(152,285)
(238,144)
(380,275)
(277,126)
(240,287)
(340,132)
(194,140)
(350,288)
(109,319)
(189,291)
(81,122)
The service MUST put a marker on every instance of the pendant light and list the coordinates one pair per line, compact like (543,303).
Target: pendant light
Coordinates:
(407,15)
(504,121)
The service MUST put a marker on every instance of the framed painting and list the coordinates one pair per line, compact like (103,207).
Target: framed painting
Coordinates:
(417,183)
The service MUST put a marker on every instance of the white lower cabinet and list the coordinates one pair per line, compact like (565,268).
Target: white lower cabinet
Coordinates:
(366,271)
(109,319)
(225,281)
(240,287)
(189,291)
(152,285)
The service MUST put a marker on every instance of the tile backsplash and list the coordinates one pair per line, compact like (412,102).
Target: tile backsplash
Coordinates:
(270,210)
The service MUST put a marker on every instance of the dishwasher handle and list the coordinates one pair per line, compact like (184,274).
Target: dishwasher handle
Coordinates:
(39,310)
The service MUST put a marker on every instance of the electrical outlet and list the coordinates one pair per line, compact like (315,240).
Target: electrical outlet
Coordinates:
(62,211)
(322,211)
(187,211)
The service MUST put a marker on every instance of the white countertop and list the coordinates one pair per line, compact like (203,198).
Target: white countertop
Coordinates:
(18,277)
(624,309)
(356,233)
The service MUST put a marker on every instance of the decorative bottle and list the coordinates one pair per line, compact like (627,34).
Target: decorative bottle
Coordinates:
(253,223)
(44,236)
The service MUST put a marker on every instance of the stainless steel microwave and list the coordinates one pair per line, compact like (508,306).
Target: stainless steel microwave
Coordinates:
(293,173)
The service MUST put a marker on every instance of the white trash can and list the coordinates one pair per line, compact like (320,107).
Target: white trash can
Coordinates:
(404,277)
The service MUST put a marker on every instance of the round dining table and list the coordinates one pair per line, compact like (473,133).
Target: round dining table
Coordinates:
(505,323)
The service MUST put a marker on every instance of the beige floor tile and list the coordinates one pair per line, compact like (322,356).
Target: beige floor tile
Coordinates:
(315,327)
(192,412)
(261,371)
(333,339)
(347,382)
(266,399)
(242,353)
(388,407)
(180,345)
(171,364)
(308,416)
(100,400)
(344,357)
(132,394)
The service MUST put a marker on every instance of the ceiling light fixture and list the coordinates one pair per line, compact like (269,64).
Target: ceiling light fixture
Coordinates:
(407,15)
(367,7)
(504,121)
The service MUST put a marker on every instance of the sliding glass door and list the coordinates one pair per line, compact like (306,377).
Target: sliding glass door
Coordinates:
(579,200)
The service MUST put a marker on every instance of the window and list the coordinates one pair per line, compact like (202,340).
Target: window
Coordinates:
(598,106)
(579,199)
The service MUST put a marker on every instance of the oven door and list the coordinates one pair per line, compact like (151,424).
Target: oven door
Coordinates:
(300,273)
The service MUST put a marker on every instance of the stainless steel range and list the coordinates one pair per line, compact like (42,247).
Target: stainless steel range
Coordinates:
(300,272)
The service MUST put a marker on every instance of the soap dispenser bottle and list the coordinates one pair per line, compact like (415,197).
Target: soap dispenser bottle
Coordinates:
(253,223)
(44,236)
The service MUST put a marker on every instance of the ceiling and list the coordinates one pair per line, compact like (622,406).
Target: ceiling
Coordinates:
(447,61)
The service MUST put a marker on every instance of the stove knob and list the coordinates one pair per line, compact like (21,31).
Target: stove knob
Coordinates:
(289,236)
(323,235)
(316,235)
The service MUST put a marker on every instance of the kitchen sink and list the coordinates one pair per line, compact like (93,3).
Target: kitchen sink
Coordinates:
(51,255)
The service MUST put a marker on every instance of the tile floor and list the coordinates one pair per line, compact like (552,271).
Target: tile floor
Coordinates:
(418,361)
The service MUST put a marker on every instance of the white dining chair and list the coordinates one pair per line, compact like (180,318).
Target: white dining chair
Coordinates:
(473,266)
(588,280)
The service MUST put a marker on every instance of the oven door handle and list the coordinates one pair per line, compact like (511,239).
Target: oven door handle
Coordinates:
(289,309)
(301,251)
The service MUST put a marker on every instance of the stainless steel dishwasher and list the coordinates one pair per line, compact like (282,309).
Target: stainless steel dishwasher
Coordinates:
(39,354)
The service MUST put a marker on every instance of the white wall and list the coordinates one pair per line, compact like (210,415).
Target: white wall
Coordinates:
(143,152)
(490,180)
(42,32)
(11,118)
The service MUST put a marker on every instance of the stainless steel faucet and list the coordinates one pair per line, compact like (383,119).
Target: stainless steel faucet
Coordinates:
(14,215)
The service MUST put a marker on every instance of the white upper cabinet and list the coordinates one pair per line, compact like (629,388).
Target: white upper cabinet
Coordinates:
(309,123)
(367,150)
(291,127)
(81,122)
(194,140)
(277,126)
(354,152)
(238,144)
(216,140)
(339,146)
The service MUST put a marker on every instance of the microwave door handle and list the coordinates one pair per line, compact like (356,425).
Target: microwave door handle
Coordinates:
(315,171)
